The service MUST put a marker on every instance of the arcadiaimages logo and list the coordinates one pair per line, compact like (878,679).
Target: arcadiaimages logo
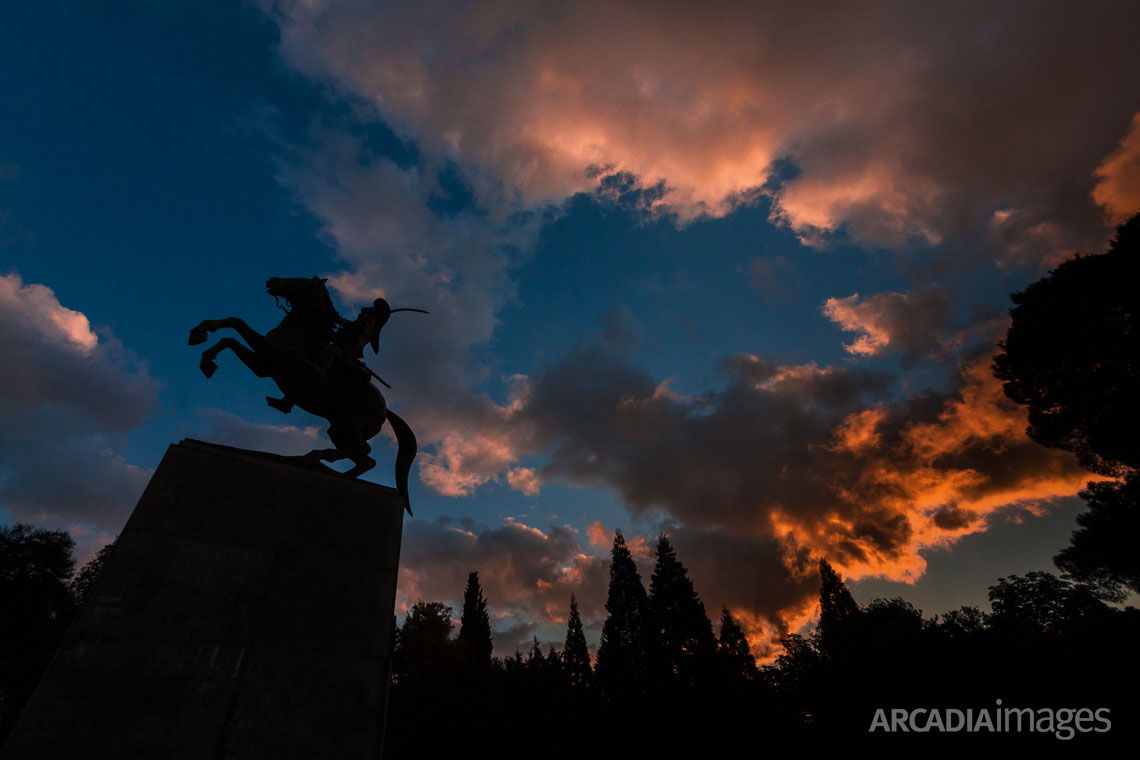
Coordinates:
(1063,722)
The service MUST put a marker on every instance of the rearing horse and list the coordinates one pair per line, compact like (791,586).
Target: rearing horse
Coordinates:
(343,393)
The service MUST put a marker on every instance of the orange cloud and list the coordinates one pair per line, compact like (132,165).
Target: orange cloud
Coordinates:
(1118,177)
(597,534)
(929,483)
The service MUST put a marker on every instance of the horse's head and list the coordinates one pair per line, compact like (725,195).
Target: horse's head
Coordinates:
(308,304)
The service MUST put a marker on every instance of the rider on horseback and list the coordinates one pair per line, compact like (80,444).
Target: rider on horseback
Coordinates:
(314,357)
(346,349)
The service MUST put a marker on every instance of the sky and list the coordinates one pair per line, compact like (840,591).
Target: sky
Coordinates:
(734,273)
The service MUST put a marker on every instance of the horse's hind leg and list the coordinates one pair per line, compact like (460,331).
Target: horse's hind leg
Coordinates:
(363,463)
(247,356)
(347,447)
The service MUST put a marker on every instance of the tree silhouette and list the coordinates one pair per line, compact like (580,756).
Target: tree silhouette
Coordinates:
(1102,551)
(475,624)
(683,641)
(80,585)
(837,612)
(622,653)
(1041,602)
(735,656)
(575,653)
(425,655)
(36,607)
(1072,356)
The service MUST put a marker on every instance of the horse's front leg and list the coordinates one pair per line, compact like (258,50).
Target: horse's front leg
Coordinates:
(200,333)
(249,358)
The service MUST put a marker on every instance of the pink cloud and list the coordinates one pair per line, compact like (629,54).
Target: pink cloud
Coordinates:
(68,396)
(524,479)
(905,126)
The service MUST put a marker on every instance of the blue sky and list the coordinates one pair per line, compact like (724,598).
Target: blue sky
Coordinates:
(760,262)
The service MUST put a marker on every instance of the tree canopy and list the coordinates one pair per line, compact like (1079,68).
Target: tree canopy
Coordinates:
(1072,356)
(36,606)
(1102,551)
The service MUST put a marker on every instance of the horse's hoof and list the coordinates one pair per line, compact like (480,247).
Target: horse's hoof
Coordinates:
(197,335)
(208,368)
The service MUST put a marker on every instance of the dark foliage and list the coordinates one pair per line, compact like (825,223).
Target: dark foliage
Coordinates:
(623,653)
(734,656)
(575,652)
(682,637)
(1102,552)
(837,612)
(1072,356)
(36,607)
(475,624)
(84,580)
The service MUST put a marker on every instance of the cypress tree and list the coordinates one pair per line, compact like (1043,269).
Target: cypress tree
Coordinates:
(684,645)
(838,612)
(621,667)
(737,662)
(576,655)
(475,624)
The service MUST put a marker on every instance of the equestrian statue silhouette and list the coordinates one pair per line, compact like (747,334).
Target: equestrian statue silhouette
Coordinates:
(315,357)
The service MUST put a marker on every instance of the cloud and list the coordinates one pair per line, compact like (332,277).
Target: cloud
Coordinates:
(525,479)
(917,324)
(527,574)
(1118,177)
(68,396)
(597,534)
(789,463)
(904,125)
(229,429)
(947,127)
(455,265)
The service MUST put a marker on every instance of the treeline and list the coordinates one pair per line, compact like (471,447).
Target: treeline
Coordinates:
(40,593)
(664,683)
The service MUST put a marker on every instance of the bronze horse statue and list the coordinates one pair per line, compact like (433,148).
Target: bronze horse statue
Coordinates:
(313,357)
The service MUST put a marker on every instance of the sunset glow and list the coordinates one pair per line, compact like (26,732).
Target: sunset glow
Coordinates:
(737,278)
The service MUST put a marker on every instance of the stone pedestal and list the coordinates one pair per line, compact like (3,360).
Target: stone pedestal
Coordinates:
(246,612)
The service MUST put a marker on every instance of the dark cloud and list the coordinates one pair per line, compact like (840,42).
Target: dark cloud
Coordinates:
(785,464)
(949,517)
(67,396)
(918,324)
(604,423)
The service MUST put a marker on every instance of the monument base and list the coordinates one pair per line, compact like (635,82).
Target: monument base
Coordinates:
(246,612)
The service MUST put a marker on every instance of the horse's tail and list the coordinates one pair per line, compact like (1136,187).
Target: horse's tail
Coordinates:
(405,453)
